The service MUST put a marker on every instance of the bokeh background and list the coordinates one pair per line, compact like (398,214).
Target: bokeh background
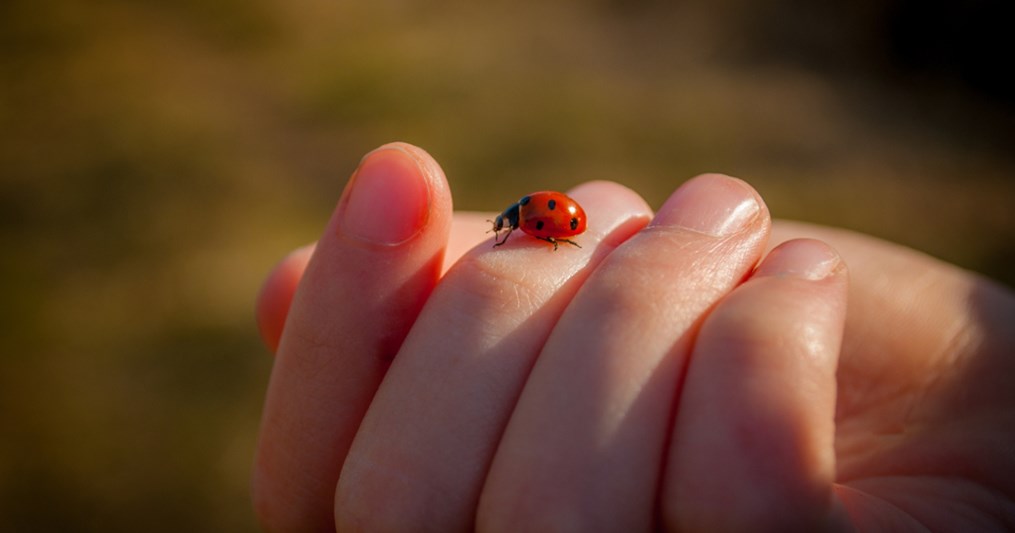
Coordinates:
(157,157)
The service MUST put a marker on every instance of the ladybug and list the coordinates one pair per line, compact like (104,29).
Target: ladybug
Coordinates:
(547,215)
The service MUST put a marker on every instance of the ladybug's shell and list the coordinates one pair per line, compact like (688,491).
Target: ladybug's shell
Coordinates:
(550,214)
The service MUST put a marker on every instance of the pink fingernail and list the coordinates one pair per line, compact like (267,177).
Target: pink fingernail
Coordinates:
(711,204)
(388,200)
(802,258)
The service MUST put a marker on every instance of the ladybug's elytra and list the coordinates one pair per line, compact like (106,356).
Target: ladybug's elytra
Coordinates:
(547,215)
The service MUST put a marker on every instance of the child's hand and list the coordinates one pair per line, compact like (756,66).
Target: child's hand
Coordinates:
(639,379)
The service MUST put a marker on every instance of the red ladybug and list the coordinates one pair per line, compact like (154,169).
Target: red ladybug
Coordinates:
(547,215)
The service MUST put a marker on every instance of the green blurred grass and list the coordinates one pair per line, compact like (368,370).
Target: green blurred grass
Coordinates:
(158,157)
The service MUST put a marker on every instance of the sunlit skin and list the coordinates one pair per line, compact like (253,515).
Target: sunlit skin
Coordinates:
(907,423)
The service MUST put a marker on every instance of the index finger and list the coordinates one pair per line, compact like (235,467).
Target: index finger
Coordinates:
(272,307)
(370,273)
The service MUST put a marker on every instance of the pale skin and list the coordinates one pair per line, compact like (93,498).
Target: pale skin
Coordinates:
(695,369)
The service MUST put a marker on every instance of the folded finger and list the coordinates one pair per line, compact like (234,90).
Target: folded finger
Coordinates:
(753,443)
(277,293)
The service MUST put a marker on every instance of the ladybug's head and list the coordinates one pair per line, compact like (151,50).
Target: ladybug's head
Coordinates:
(498,223)
(507,219)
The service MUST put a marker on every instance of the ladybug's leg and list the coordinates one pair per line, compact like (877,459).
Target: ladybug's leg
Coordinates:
(504,240)
(569,242)
(550,240)
(556,242)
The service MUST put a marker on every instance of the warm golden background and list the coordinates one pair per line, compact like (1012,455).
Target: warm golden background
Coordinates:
(156,158)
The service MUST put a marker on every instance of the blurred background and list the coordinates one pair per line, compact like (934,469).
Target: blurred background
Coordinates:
(157,158)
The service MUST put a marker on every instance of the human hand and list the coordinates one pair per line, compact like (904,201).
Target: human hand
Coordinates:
(587,440)
(925,414)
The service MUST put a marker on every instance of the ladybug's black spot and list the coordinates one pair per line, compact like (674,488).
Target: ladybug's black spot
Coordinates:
(539,224)
(574,223)
(552,204)
(524,201)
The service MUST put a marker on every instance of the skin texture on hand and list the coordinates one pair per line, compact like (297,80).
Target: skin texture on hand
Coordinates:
(925,418)
(611,418)
(463,366)
(653,378)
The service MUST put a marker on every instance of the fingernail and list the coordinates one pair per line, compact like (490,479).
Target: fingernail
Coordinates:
(388,200)
(802,258)
(712,204)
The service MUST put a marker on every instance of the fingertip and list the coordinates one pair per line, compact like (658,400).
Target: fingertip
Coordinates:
(808,259)
(610,189)
(715,205)
(391,195)
(615,212)
(276,295)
